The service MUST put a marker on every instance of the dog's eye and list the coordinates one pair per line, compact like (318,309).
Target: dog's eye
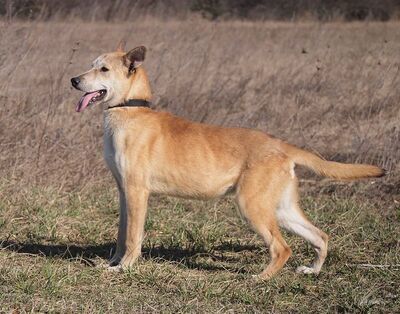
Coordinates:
(104,69)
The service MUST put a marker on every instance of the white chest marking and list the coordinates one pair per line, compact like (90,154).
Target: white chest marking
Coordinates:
(113,154)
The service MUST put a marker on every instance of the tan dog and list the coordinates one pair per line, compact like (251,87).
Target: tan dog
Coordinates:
(155,152)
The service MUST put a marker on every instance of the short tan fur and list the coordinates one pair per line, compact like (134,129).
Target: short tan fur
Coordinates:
(156,152)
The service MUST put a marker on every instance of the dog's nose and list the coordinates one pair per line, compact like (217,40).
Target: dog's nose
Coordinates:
(75,81)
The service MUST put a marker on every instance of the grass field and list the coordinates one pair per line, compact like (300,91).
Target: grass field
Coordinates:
(331,88)
(198,257)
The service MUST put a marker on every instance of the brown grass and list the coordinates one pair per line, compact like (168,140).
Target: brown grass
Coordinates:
(332,88)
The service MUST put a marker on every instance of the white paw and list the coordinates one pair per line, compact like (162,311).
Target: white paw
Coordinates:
(262,276)
(305,270)
(256,277)
(102,265)
(117,268)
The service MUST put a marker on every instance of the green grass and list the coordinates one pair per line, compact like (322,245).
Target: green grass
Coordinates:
(197,257)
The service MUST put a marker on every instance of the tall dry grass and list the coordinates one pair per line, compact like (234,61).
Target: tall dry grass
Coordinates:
(331,88)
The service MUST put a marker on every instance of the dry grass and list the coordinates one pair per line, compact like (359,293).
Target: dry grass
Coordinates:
(328,87)
(198,257)
(332,88)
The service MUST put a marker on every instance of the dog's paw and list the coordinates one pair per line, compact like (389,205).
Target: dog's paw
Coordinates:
(256,277)
(305,270)
(116,268)
(262,276)
(102,265)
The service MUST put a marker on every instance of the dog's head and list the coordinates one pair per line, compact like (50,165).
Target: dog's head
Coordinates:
(110,78)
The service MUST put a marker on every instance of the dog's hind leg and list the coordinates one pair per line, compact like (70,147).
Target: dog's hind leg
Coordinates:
(292,218)
(258,194)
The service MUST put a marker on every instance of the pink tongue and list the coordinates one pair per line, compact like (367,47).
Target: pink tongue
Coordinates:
(84,101)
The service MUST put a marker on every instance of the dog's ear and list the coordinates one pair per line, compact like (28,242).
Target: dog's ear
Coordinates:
(121,45)
(135,57)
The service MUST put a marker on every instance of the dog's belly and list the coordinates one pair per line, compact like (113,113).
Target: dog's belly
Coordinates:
(194,183)
(197,192)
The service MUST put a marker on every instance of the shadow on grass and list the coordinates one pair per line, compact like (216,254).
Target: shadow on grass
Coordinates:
(75,252)
(186,257)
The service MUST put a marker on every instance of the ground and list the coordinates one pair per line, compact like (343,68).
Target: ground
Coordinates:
(197,257)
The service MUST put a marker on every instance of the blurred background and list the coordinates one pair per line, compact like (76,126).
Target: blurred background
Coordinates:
(323,75)
(288,10)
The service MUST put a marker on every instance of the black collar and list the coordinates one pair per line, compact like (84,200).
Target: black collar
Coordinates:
(133,103)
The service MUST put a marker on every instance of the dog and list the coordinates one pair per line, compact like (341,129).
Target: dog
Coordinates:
(151,152)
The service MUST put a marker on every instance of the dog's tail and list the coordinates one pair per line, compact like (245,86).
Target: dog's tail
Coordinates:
(331,169)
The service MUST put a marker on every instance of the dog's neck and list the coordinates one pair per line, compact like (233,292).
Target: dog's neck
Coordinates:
(140,86)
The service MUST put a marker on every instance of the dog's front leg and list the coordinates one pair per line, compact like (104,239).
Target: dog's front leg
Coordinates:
(131,227)
(121,239)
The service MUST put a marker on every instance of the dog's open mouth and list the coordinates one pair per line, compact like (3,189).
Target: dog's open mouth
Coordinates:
(89,99)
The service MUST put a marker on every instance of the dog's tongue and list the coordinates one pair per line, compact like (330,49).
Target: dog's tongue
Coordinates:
(84,101)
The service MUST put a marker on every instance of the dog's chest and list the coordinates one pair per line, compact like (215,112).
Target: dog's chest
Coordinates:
(112,154)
